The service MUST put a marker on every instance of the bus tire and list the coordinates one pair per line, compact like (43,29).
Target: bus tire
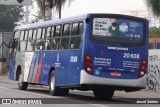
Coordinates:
(103,93)
(22,85)
(53,89)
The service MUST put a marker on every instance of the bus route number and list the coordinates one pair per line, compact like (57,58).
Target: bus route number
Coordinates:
(131,55)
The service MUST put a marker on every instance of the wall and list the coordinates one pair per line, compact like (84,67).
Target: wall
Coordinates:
(153,79)
(5,37)
(0,44)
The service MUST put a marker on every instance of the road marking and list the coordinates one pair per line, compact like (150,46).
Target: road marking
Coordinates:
(46,96)
(99,105)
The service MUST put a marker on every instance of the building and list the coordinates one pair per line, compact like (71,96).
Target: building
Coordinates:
(143,13)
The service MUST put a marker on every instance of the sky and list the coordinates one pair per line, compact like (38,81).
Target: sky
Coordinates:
(78,7)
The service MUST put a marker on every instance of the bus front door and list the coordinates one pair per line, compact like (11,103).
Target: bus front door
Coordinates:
(13,49)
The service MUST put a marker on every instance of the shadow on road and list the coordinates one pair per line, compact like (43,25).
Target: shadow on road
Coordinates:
(76,98)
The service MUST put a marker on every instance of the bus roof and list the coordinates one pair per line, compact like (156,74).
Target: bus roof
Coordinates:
(51,22)
(64,20)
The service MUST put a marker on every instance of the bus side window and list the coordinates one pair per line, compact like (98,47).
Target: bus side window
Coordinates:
(43,33)
(52,31)
(40,44)
(65,36)
(58,31)
(39,33)
(22,45)
(30,34)
(77,30)
(30,42)
(34,34)
(48,36)
(48,44)
(66,30)
(55,39)
(26,35)
(48,33)
(16,34)
(80,28)
(75,42)
(55,42)
(74,30)
(22,35)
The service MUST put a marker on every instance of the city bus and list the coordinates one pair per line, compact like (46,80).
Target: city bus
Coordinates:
(97,52)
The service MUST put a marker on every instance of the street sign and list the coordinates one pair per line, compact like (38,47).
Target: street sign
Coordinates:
(15,2)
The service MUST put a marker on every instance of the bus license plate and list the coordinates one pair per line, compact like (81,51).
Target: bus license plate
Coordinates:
(116,74)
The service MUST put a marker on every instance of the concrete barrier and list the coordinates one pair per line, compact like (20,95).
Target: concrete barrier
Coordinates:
(153,79)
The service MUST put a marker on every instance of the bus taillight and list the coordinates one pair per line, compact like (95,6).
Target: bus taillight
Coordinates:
(88,64)
(143,68)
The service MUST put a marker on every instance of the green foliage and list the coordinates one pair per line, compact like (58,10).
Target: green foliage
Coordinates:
(8,16)
(155,6)
(39,16)
(5,68)
(154,30)
(58,4)
(50,2)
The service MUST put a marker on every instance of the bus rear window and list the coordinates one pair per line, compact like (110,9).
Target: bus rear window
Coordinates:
(115,30)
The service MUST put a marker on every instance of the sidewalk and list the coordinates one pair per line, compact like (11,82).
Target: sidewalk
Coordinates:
(5,79)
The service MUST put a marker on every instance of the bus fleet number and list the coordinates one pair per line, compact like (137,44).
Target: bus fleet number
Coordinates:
(131,55)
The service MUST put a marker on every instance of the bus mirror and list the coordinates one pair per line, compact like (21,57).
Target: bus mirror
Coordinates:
(10,42)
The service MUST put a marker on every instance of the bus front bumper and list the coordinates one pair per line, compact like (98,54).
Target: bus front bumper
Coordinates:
(94,80)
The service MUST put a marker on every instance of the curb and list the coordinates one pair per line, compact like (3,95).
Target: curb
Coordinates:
(7,82)
(4,79)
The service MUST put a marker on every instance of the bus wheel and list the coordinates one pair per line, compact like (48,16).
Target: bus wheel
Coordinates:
(103,93)
(53,89)
(22,85)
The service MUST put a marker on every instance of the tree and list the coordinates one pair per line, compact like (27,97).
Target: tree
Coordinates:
(58,4)
(154,30)
(155,6)
(39,16)
(42,5)
(9,15)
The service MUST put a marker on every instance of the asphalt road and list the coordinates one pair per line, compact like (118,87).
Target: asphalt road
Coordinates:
(74,99)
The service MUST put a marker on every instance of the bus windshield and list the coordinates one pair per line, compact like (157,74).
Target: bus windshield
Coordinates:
(117,31)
